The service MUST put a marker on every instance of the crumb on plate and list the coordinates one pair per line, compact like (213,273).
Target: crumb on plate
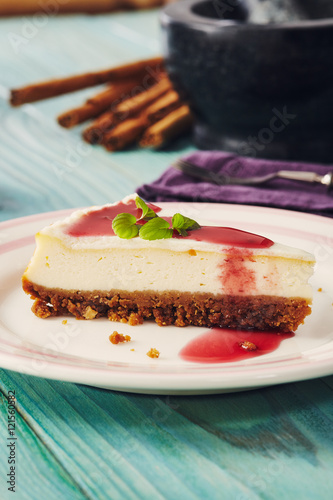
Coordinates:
(247,345)
(153,353)
(116,338)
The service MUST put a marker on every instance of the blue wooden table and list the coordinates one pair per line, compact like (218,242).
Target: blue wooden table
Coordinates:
(79,442)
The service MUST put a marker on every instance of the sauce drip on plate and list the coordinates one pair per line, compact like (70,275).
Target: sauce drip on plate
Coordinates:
(220,345)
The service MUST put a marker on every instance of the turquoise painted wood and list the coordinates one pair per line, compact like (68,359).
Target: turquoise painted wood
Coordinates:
(270,443)
(79,442)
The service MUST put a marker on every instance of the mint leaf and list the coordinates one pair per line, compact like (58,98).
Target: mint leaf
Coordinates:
(178,221)
(147,213)
(124,226)
(182,223)
(190,224)
(156,229)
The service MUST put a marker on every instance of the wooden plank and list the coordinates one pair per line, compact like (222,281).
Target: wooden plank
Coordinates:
(38,473)
(253,444)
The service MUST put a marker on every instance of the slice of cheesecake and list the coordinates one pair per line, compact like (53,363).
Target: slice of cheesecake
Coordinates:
(206,276)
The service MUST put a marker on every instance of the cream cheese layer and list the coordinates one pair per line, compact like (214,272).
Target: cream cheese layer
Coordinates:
(54,265)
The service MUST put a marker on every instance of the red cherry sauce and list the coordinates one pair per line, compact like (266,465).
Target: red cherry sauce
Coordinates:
(229,236)
(99,223)
(235,275)
(220,345)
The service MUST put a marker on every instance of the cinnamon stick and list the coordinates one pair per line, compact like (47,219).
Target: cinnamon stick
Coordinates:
(95,132)
(132,106)
(127,108)
(95,105)
(162,106)
(25,7)
(124,134)
(173,124)
(147,68)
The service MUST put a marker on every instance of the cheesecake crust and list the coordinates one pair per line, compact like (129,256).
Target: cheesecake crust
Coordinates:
(259,312)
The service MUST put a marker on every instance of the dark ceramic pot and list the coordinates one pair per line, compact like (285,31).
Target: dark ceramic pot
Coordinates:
(257,90)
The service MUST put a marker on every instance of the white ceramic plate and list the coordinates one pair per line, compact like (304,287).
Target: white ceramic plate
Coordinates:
(80,351)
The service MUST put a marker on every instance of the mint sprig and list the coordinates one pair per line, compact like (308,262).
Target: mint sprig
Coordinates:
(128,226)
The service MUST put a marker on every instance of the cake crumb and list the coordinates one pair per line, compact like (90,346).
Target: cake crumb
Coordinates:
(247,345)
(320,289)
(192,252)
(64,322)
(132,349)
(116,338)
(153,353)
(89,313)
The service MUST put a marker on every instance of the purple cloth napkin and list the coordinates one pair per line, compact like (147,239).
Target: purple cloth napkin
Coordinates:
(280,193)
